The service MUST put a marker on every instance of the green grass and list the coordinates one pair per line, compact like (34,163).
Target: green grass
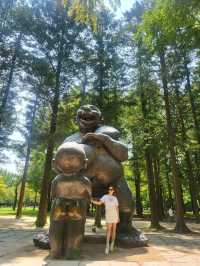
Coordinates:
(28,211)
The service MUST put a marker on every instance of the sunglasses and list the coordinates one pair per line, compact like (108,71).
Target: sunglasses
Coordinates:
(110,189)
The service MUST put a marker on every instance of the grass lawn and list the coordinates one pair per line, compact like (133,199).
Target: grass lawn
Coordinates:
(28,211)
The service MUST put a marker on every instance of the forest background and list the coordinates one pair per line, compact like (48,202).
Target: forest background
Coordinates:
(142,70)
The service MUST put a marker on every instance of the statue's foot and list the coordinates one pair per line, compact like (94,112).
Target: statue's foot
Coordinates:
(130,237)
(55,254)
(72,254)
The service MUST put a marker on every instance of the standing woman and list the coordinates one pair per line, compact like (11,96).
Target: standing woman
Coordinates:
(111,215)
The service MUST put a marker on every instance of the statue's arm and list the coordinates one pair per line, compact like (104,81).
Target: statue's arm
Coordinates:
(117,149)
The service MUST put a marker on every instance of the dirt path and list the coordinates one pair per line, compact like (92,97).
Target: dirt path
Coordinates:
(165,248)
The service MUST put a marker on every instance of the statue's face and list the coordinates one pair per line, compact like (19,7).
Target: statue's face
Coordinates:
(70,158)
(88,117)
(71,163)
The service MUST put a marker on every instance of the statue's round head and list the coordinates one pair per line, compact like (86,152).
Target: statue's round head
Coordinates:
(70,158)
(88,117)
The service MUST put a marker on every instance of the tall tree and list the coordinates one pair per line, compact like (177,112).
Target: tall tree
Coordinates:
(56,41)
(31,112)
(6,90)
(154,25)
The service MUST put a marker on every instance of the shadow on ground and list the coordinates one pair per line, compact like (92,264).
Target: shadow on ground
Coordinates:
(184,243)
(16,246)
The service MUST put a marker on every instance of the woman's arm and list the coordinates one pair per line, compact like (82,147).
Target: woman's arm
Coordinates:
(97,202)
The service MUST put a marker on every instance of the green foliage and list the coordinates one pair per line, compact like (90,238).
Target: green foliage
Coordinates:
(114,65)
(86,11)
(36,170)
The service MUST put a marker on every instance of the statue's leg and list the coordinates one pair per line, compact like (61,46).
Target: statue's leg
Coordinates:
(74,229)
(126,231)
(73,237)
(126,204)
(56,238)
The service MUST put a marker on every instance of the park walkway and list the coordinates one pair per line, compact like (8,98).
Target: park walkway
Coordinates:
(165,248)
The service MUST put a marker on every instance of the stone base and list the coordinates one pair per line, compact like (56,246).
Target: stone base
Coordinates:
(42,240)
(123,243)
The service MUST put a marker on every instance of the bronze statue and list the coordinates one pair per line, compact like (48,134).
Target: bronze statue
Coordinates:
(94,152)
(71,192)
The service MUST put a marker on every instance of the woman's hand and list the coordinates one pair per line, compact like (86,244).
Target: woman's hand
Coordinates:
(92,200)
(97,202)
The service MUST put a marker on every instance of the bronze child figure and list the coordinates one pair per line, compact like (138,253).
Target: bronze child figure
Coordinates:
(71,193)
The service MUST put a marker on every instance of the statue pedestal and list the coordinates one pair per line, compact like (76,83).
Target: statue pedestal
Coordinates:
(42,240)
(123,243)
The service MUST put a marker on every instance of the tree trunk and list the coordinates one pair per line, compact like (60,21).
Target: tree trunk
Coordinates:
(84,84)
(152,193)
(191,178)
(170,203)
(49,200)
(149,169)
(43,205)
(23,182)
(16,195)
(35,200)
(100,73)
(180,223)
(4,17)
(98,216)
(194,113)
(139,207)
(192,102)
(197,175)
(158,188)
(148,153)
(6,90)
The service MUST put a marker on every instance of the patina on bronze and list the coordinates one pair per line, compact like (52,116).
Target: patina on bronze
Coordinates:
(96,153)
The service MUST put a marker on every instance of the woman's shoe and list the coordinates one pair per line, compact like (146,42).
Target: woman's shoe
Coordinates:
(107,250)
(112,246)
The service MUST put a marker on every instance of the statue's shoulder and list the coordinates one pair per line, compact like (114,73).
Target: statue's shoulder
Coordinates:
(76,137)
(110,131)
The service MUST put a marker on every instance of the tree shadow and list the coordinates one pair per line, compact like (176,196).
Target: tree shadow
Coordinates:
(187,243)
(96,252)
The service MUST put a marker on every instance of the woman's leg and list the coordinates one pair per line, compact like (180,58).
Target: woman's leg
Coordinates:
(108,236)
(114,226)
(113,236)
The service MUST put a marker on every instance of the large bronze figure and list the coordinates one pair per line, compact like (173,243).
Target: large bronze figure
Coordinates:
(96,153)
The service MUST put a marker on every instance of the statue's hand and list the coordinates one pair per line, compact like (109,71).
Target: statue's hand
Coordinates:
(95,136)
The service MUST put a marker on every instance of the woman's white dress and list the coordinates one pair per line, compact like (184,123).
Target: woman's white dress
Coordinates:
(111,212)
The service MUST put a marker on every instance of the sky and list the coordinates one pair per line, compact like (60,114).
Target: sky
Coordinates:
(12,158)
(125,5)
